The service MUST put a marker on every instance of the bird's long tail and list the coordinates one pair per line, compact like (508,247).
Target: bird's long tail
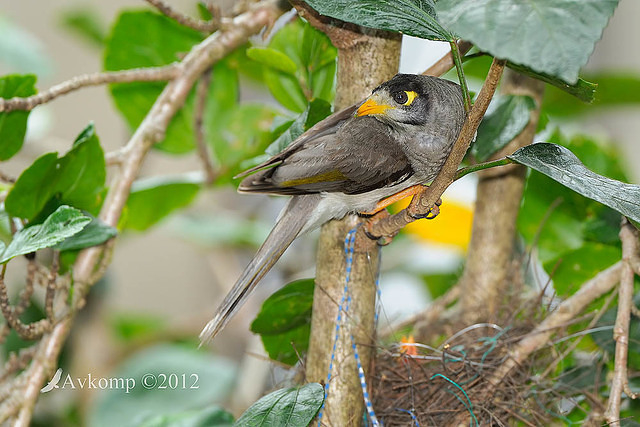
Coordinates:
(292,220)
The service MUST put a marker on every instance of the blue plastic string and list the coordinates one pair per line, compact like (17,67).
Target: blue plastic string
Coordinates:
(345,303)
(413,416)
(348,249)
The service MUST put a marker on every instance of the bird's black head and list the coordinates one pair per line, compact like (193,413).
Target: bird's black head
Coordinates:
(412,99)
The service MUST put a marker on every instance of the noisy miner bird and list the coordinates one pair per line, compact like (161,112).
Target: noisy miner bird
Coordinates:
(396,139)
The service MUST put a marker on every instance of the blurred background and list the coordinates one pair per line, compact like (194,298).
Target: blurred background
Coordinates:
(165,283)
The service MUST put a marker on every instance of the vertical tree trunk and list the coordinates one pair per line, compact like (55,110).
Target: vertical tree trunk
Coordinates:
(364,61)
(494,223)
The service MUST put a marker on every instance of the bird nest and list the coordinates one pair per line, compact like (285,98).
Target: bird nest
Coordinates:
(456,383)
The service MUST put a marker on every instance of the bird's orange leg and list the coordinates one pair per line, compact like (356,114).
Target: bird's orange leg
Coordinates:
(386,202)
(379,212)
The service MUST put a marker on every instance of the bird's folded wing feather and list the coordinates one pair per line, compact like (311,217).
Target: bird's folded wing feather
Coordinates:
(352,160)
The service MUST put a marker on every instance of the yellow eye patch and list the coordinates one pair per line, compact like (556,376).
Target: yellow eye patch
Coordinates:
(411,95)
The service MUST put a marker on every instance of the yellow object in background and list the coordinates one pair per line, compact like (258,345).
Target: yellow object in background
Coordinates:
(452,226)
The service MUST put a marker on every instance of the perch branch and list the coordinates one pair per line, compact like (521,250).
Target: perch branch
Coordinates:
(150,131)
(167,72)
(629,238)
(392,224)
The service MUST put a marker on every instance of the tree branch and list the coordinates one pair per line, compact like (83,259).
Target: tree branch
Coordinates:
(197,24)
(602,283)
(484,281)
(155,74)
(204,153)
(620,382)
(150,131)
(392,224)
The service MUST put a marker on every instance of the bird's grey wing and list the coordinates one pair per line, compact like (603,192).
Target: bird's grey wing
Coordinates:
(328,126)
(359,157)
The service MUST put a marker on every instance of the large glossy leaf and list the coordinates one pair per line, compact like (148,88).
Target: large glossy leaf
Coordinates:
(77,179)
(152,199)
(615,89)
(503,122)
(170,382)
(582,89)
(412,17)
(63,223)
(292,407)
(287,308)
(147,39)
(555,37)
(562,165)
(13,125)
(284,321)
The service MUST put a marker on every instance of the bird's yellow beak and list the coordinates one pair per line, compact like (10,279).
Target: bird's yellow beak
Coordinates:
(372,107)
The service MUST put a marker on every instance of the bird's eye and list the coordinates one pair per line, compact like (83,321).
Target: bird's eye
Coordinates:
(400,97)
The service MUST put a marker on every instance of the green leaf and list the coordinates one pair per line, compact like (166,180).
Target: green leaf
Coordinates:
(63,223)
(288,347)
(212,416)
(152,199)
(95,233)
(76,179)
(204,12)
(558,219)
(272,58)
(614,89)
(286,309)
(292,407)
(582,89)
(317,110)
(147,39)
(549,36)
(130,327)
(86,23)
(13,125)
(439,284)
(178,379)
(284,321)
(573,268)
(412,17)
(286,89)
(506,119)
(563,166)
(246,133)
(315,63)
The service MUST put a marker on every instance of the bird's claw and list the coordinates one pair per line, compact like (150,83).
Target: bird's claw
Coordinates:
(431,214)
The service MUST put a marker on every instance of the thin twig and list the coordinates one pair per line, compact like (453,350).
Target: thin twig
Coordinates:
(150,131)
(51,287)
(29,331)
(202,92)
(197,24)
(392,224)
(630,245)
(457,60)
(164,73)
